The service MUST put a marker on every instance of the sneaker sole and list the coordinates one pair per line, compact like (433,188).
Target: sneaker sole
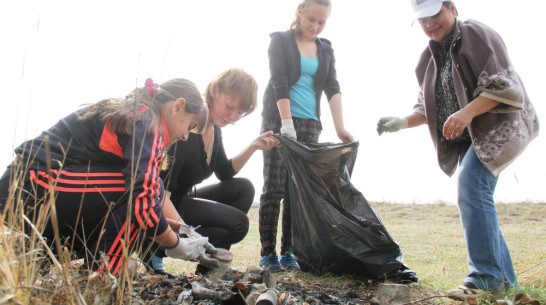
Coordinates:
(292,268)
(273,269)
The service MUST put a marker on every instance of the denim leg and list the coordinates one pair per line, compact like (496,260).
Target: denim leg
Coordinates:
(488,255)
(510,280)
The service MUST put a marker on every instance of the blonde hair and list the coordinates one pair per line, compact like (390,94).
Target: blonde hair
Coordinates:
(295,26)
(121,113)
(234,82)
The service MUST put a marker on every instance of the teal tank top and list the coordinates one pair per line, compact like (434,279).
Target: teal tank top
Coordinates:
(303,103)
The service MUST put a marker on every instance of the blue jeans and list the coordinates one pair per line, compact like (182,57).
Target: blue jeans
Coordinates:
(491,267)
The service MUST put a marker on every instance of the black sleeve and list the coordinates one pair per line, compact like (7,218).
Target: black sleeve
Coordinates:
(278,66)
(331,86)
(223,169)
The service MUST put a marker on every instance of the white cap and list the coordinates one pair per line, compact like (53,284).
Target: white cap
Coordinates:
(426,8)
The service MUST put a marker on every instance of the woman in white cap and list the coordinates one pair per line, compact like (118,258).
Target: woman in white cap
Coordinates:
(480,118)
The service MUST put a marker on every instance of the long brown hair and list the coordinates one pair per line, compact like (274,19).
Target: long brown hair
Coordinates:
(122,112)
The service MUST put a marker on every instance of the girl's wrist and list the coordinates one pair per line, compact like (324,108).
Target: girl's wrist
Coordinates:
(176,245)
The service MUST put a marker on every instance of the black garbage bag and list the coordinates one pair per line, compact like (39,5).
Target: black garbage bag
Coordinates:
(334,228)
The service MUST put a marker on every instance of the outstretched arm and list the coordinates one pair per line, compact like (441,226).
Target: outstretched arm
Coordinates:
(394,124)
(416,119)
(337,116)
(265,141)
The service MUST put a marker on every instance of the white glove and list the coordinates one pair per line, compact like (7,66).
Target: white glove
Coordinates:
(391,124)
(187,248)
(288,130)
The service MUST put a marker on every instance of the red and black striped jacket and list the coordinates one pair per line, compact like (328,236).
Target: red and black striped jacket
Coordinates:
(135,160)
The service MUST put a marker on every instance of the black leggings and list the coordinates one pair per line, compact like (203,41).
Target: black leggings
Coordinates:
(219,210)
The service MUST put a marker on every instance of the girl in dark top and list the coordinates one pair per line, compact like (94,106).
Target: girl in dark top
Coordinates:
(218,210)
(98,163)
(302,68)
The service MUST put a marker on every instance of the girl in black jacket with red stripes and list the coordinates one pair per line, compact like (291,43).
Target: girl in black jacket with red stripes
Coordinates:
(99,169)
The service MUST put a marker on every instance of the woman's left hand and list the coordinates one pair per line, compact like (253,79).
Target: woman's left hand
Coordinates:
(456,124)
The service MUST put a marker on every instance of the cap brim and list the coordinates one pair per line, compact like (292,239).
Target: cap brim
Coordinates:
(429,11)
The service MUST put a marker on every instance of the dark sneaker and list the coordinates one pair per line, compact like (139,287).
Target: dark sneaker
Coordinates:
(288,261)
(271,262)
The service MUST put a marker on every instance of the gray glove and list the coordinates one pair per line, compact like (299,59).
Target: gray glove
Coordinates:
(288,130)
(391,124)
(187,248)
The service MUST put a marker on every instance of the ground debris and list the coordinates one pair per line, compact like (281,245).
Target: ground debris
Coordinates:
(246,289)
(200,291)
(158,289)
(302,293)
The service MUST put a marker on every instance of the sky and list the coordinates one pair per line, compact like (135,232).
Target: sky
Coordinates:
(58,55)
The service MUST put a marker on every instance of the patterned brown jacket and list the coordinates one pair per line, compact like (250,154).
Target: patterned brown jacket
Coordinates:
(481,67)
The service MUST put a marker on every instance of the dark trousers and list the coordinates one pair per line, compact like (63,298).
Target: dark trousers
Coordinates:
(275,187)
(219,210)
